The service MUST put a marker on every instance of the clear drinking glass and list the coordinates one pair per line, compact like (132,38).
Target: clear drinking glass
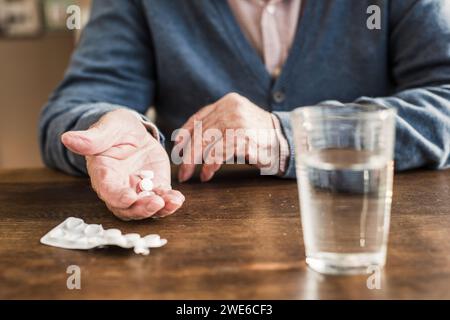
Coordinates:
(344,163)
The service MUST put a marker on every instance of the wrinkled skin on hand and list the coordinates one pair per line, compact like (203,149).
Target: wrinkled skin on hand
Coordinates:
(116,148)
(234,112)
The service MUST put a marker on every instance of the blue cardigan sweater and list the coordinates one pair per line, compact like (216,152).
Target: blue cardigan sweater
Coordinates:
(180,55)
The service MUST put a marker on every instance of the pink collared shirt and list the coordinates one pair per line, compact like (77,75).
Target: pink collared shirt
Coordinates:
(270,26)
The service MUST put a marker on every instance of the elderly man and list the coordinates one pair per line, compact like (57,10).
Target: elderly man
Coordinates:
(240,64)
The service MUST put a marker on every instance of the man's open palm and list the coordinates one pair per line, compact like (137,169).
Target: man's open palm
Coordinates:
(117,148)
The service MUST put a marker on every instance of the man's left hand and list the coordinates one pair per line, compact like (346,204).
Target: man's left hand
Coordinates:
(233,112)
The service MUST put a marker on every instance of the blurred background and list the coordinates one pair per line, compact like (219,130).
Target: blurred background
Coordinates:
(35,47)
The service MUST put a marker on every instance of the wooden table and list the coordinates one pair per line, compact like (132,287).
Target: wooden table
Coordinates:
(236,237)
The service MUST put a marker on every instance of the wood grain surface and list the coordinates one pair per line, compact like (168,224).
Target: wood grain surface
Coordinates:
(237,237)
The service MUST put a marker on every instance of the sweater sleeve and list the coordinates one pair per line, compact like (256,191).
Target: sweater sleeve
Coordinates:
(111,68)
(420,68)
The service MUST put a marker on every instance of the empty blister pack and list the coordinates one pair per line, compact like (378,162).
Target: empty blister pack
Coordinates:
(74,233)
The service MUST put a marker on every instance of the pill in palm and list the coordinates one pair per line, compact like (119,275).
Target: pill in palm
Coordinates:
(146,174)
(146,184)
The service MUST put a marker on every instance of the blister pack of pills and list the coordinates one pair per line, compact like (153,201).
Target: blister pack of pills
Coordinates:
(74,233)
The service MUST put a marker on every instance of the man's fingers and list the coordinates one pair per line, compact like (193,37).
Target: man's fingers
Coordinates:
(111,188)
(187,168)
(195,147)
(198,116)
(142,209)
(214,157)
(208,171)
(185,172)
(154,204)
(213,163)
(173,201)
(117,198)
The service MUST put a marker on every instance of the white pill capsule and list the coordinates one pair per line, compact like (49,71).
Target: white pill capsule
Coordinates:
(146,174)
(146,184)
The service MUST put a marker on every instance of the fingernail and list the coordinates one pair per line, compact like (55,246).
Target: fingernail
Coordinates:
(157,202)
(205,177)
(177,201)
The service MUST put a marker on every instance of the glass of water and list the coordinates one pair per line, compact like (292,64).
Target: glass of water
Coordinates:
(344,163)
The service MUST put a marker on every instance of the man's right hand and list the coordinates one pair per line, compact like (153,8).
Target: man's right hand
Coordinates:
(116,148)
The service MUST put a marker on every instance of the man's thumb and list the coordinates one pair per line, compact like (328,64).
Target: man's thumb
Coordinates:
(89,142)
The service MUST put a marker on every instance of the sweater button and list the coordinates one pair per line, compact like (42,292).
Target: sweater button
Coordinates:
(278,96)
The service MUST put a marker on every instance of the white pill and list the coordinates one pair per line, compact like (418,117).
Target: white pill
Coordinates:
(152,240)
(141,250)
(75,234)
(79,229)
(93,230)
(146,174)
(140,247)
(132,237)
(144,194)
(120,241)
(73,223)
(146,184)
(97,242)
(113,233)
